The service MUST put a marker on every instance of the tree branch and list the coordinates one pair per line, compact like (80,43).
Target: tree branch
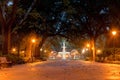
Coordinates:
(28,11)
(2,20)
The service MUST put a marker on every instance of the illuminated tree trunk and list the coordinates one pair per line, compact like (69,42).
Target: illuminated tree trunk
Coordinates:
(93,49)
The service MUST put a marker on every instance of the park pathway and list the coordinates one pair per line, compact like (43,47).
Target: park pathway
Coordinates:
(62,70)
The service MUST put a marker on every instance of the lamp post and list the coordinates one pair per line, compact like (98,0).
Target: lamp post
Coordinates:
(33,48)
(114,34)
(88,46)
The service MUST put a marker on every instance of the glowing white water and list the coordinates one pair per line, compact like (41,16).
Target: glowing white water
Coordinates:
(63,53)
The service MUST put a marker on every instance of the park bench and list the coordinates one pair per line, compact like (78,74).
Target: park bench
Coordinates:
(4,62)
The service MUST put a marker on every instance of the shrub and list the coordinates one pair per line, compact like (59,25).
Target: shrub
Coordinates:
(15,59)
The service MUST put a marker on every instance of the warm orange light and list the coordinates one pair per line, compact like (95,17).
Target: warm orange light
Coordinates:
(41,49)
(114,33)
(33,40)
(45,51)
(92,48)
(98,51)
(13,49)
(66,56)
(22,51)
(88,45)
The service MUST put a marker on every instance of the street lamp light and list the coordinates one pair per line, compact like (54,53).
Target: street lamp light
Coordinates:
(98,51)
(88,45)
(45,51)
(114,33)
(14,49)
(33,40)
(41,49)
(32,52)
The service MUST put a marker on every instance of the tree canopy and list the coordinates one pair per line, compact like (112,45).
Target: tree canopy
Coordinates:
(72,19)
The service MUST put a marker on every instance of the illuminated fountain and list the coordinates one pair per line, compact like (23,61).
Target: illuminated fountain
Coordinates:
(64,54)
(73,54)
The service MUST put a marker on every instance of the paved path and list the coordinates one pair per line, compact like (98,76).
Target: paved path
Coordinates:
(62,70)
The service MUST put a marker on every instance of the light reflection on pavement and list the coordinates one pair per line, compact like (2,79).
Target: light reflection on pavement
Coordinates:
(62,70)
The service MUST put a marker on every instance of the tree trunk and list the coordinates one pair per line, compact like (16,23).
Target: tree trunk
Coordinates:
(7,22)
(18,46)
(41,44)
(93,49)
(6,44)
(42,41)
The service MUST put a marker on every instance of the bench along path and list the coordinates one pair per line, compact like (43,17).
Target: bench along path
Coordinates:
(62,70)
(4,62)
